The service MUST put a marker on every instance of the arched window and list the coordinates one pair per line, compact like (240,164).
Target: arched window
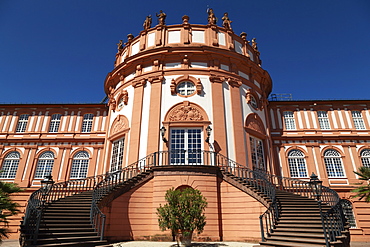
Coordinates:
(44,165)
(297,164)
(333,163)
(348,212)
(10,165)
(365,157)
(80,165)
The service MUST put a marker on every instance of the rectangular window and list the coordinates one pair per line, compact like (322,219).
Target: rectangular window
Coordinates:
(258,159)
(54,123)
(238,47)
(289,120)
(117,155)
(198,37)
(22,123)
(357,120)
(186,146)
(87,122)
(323,120)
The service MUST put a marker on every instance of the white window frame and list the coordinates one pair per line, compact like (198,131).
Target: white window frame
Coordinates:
(80,165)
(22,123)
(365,157)
(45,165)
(289,120)
(87,123)
(54,123)
(10,165)
(186,88)
(257,153)
(186,147)
(323,119)
(358,121)
(117,155)
(254,102)
(297,164)
(333,163)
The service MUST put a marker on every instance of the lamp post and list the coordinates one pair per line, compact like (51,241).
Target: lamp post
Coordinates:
(316,187)
(163,133)
(46,184)
(209,131)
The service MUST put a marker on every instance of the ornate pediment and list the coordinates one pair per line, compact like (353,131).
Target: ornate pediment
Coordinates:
(254,123)
(186,111)
(119,127)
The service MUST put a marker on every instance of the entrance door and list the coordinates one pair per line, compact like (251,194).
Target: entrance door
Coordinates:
(186,146)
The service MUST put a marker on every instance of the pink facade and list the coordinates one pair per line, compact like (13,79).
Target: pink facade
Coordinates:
(184,79)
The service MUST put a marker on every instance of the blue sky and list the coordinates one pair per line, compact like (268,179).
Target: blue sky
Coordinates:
(60,51)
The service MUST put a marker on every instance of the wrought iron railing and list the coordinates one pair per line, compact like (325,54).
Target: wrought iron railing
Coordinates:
(333,219)
(263,183)
(102,195)
(47,194)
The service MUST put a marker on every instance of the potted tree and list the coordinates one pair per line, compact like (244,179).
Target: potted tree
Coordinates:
(183,213)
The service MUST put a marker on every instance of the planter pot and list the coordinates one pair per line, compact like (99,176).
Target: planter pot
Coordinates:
(184,239)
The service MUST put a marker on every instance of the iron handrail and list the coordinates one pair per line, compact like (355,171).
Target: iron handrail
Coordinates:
(102,192)
(333,219)
(263,182)
(41,198)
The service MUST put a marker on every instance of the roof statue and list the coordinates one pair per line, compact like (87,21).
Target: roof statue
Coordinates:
(148,22)
(161,17)
(254,44)
(120,46)
(226,23)
(212,20)
(130,37)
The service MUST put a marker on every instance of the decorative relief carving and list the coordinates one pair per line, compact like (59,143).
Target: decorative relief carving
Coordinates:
(156,79)
(254,123)
(173,87)
(234,82)
(112,104)
(119,126)
(197,83)
(123,100)
(139,83)
(199,86)
(186,112)
(248,96)
(217,79)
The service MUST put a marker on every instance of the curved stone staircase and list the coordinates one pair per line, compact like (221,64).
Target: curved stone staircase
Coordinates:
(66,222)
(68,219)
(299,223)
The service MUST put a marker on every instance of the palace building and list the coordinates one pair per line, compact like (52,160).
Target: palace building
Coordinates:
(188,105)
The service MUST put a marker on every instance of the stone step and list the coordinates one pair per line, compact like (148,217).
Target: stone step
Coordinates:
(95,243)
(68,239)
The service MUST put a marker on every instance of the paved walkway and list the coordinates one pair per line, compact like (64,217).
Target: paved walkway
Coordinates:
(174,244)
(14,243)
